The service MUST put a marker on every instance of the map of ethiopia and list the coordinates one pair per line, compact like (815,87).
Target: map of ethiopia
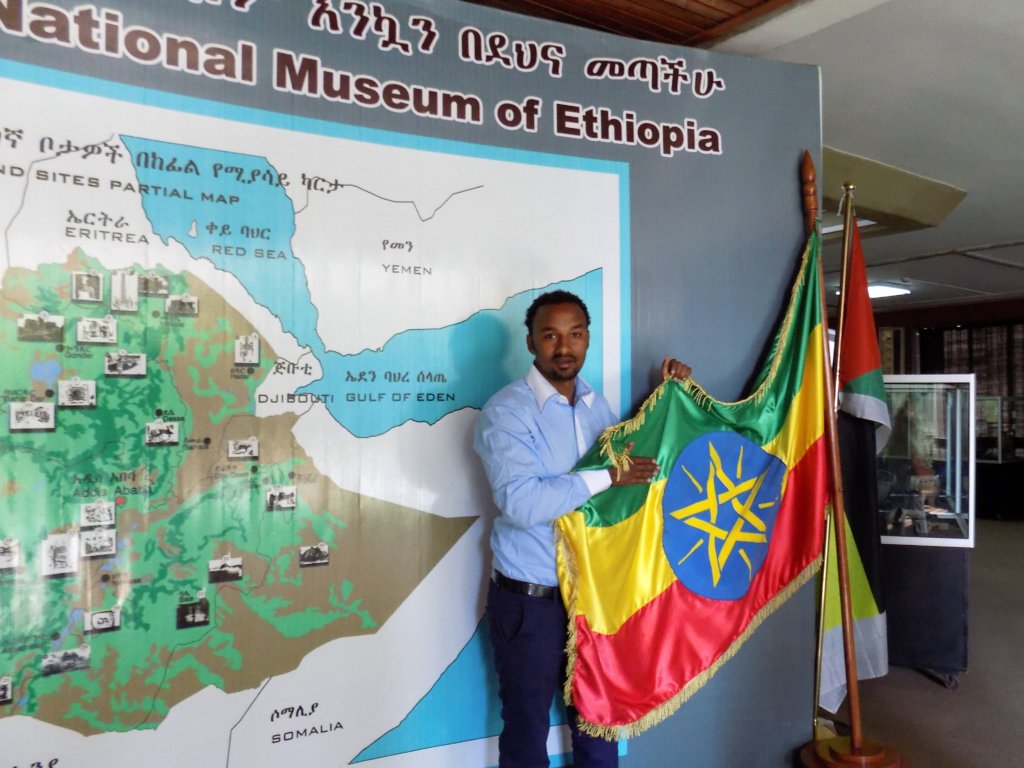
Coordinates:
(239,511)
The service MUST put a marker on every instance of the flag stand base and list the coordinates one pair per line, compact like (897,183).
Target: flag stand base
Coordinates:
(837,753)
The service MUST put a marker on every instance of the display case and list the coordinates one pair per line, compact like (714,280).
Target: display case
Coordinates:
(926,471)
(999,429)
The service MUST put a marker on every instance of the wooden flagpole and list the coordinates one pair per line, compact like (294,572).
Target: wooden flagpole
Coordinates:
(853,750)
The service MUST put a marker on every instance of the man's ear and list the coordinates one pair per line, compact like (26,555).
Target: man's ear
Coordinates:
(529,344)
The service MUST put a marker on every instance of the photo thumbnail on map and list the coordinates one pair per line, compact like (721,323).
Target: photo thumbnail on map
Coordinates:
(124,291)
(95,622)
(97,513)
(122,363)
(195,613)
(87,286)
(247,349)
(161,432)
(70,660)
(182,304)
(41,327)
(6,690)
(10,554)
(31,416)
(281,497)
(152,284)
(226,568)
(99,542)
(315,554)
(245,449)
(60,554)
(76,393)
(96,330)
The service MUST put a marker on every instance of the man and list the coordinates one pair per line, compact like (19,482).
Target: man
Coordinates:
(529,436)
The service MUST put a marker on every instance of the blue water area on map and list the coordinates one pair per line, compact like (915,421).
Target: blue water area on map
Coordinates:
(419,375)
(232,212)
(477,357)
(462,706)
(46,371)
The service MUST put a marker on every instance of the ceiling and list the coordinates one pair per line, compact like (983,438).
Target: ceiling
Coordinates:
(929,88)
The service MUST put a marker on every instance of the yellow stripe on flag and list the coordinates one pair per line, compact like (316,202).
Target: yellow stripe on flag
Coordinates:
(805,421)
(627,561)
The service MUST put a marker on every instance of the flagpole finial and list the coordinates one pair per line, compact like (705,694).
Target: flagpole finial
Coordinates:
(847,198)
(809,178)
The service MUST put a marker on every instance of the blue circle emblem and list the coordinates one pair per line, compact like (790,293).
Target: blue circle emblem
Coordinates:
(719,509)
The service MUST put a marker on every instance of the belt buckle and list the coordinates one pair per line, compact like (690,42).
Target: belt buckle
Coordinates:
(540,591)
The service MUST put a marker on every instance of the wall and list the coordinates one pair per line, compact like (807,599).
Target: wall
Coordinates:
(257,537)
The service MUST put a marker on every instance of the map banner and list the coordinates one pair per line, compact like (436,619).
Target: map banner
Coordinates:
(262,264)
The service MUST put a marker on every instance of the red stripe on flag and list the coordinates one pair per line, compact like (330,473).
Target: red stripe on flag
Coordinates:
(617,679)
(860,339)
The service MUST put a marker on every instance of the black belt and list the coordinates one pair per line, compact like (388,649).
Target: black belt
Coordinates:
(524,587)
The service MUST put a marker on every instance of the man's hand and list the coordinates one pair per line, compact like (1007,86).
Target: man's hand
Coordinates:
(670,367)
(641,471)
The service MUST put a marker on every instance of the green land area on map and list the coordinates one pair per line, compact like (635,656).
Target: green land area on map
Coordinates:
(180,509)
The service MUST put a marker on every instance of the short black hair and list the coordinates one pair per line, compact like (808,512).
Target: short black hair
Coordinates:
(554,297)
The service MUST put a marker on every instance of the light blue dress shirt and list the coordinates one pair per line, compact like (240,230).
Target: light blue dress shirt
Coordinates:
(529,438)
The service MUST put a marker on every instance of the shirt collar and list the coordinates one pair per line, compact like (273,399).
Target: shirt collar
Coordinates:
(543,390)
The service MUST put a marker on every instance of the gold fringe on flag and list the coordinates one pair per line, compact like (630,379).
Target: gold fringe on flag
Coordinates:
(620,458)
(668,708)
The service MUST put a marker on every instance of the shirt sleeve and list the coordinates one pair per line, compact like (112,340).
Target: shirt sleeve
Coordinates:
(597,480)
(526,491)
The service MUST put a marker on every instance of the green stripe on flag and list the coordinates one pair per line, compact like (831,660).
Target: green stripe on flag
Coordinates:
(870,383)
(759,417)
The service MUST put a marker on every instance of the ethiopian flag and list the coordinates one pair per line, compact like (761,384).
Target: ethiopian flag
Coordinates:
(665,582)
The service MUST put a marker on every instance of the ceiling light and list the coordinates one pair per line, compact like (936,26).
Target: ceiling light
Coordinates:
(831,224)
(883,291)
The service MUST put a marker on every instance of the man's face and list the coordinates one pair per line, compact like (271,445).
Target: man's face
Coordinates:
(558,341)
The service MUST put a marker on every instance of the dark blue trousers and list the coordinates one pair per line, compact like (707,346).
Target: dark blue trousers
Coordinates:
(529,635)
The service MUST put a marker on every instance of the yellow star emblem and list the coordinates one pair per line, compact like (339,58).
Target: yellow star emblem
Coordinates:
(741,496)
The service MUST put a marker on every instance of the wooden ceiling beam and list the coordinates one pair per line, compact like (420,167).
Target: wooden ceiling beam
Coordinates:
(571,13)
(637,19)
(715,11)
(738,22)
(685,22)
(672,15)
(654,20)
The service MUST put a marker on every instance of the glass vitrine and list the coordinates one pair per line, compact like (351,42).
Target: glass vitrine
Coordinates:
(1013,407)
(926,471)
(999,429)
